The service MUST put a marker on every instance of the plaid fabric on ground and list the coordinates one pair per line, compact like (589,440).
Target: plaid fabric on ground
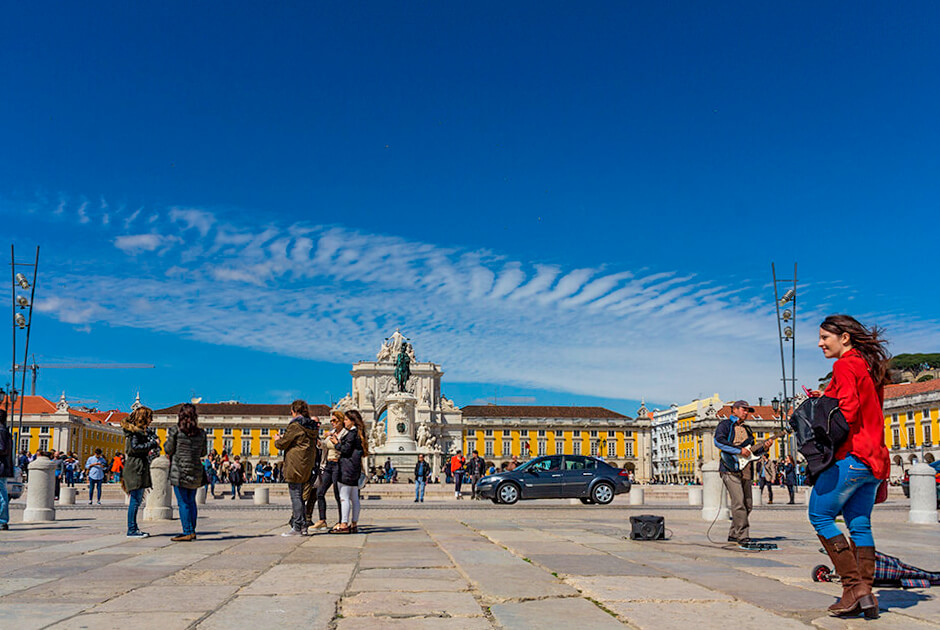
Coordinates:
(889,569)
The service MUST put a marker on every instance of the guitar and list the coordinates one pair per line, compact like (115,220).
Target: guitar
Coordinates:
(758,451)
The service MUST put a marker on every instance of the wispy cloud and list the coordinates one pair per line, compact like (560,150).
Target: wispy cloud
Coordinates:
(332,293)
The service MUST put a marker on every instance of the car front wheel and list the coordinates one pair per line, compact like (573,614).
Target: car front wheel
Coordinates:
(507,493)
(603,493)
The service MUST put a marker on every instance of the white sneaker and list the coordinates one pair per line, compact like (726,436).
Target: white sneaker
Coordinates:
(139,535)
(291,532)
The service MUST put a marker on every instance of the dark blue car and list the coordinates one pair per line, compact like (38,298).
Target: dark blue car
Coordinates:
(557,477)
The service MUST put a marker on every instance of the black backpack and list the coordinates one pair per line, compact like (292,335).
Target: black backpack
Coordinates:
(820,429)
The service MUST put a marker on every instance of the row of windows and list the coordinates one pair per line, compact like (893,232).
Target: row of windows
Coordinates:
(925,414)
(560,434)
(246,432)
(911,441)
(542,448)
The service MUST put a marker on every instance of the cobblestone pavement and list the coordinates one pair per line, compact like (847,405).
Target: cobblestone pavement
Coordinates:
(510,567)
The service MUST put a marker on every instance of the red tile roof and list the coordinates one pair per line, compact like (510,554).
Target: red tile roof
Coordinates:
(243,409)
(531,411)
(33,405)
(910,389)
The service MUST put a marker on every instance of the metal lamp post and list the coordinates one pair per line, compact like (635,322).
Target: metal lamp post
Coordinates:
(785,305)
(20,323)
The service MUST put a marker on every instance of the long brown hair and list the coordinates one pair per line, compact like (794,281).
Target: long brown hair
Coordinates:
(141,417)
(869,341)
(188,419)
(356,417)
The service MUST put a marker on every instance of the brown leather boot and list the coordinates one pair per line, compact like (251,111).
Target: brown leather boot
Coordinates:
(856,595)
(866,569)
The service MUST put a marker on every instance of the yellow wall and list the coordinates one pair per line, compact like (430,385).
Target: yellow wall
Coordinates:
(476,439)
(912,418)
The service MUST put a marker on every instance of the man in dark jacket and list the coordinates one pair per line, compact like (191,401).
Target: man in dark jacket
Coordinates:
(299,445)
(476,467)
(422,473)
(733,438)
(6,469)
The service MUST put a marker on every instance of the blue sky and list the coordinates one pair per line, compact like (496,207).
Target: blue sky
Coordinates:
(561,204)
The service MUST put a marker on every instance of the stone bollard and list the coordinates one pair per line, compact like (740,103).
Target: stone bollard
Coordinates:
(40,491)
(636,495)
(695,495)
(201,495)
(67,496)
(923,494)
(159,506)
(807,493)
(261,495)
(757,497)
(713,493)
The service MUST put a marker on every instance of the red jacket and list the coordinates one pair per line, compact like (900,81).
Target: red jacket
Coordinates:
(861,404)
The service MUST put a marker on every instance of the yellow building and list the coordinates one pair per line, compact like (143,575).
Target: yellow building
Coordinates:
(912,413)
(246,430)
(49,426)
(501,432)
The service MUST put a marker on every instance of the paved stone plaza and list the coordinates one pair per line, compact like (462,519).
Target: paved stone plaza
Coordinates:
(465,566)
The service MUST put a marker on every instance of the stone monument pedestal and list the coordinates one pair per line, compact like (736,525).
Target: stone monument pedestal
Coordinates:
(400,445)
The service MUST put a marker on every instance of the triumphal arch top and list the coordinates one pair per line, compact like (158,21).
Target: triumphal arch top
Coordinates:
(400,400)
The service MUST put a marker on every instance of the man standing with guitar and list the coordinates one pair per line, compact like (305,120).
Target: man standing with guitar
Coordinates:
(734,439)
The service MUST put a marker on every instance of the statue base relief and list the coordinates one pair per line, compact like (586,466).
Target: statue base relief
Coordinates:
(400,445)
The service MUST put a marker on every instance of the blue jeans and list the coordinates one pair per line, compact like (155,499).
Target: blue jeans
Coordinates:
(847,487)
(4,502)
(91,489)
(419,489)
(458,479)
(137,497)
(186,502)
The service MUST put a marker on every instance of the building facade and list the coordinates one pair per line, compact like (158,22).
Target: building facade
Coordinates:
(501,432)
(49,426)
(664,442)
(246,430)
(911,424)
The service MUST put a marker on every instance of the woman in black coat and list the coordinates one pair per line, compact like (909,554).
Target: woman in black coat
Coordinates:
(352,447)
(186,445)
(139,441)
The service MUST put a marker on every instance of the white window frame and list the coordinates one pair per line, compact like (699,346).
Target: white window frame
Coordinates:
(559,446)
(628,446)
(560,435)
(928,438)
(542,447)
(488,433)
(488,448)
(227,431)
(43,444)
(611,448)
(576,447)
(507,448)
(896,437)
(264,449)
(246,452)
(910,436)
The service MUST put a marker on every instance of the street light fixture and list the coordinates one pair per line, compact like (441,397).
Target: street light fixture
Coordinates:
(786,331)
(22,281)
(20,321)
(775,403)
(21,301)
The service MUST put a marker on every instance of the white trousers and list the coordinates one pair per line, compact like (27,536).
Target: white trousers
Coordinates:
(349,501)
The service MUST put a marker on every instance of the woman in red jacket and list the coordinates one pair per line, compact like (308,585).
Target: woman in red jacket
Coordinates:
(849,486)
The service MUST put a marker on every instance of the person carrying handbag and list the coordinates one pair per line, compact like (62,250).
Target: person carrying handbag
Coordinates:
(849,485)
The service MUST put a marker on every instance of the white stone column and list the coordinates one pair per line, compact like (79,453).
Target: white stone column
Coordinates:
(67,496)
(695,495)
(923,494)
(261,495)
(201,495)
(40,491)
(636,495)
(713,493)
(159,505)
(757,497)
